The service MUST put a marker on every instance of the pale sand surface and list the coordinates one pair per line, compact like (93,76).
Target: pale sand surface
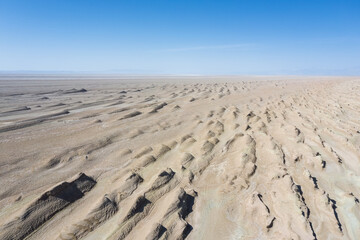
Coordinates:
(179,157)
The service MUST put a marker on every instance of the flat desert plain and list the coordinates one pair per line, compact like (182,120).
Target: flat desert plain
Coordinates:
(92,157)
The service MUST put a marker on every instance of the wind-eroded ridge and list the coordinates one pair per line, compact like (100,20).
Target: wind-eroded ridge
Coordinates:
(205,158)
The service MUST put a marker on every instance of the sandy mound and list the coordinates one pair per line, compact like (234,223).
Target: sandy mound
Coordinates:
(46,206)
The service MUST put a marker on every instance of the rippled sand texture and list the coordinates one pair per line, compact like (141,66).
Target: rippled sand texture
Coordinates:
(180,158)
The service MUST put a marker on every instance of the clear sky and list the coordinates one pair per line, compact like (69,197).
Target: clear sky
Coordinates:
(181,37)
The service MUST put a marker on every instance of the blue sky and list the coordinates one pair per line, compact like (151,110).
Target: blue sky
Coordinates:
(313,37)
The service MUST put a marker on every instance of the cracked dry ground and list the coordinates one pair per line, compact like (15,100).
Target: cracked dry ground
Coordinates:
(181,159)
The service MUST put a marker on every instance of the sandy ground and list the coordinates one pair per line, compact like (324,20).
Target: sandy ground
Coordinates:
(179,157)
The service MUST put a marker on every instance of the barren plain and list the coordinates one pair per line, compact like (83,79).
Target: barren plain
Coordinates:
(179,157)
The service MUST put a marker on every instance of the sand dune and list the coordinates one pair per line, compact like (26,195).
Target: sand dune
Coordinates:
(180,158)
